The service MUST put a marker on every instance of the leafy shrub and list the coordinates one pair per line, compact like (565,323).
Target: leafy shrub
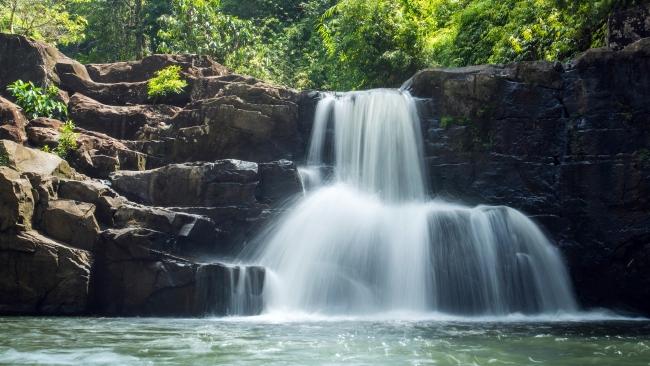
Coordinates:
(167,81)
(38,102)
(67,140)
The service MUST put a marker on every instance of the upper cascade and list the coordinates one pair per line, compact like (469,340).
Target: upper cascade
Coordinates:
(377,145)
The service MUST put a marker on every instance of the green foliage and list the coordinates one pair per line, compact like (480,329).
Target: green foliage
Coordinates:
(48,20)
(643,155)
(46,149)
(340,44)
(38,102)
(448,121)
(197,26)
(166,82)
(4,158)
(67,140)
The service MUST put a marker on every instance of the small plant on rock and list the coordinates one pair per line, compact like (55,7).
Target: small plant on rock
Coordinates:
(166,82)
(38,102)
(4,158)
(67,140)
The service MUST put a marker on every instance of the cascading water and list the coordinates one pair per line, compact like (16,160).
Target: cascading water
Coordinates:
(367,240)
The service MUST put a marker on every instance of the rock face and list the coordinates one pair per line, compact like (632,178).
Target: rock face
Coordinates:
(132,277)
(194,176)
(16,201)
(42,276)
(567,144)
(26,59)
(12,122)
(72,245)
(237,196)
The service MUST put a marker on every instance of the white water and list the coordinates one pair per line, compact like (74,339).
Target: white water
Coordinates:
(366,240)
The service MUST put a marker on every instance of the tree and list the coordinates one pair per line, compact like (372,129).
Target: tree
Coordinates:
(47,20)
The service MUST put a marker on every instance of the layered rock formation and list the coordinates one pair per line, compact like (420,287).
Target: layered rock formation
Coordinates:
(160,193)
(71,244)
(567,144)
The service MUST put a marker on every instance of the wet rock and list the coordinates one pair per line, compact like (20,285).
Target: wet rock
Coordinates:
(190,235)
(279,181)
(71,222)
(565,143)
(236,225)
(222,183)
(259,124)
(39,276)
(16,201)
(12,122)
(132,277)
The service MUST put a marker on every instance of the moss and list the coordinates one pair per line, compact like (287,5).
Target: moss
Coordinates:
(448,121)
(4,158)
(643,155)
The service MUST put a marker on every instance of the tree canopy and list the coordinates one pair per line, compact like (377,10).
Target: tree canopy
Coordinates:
(325,44)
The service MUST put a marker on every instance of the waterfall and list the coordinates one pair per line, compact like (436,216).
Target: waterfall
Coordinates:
(365,238)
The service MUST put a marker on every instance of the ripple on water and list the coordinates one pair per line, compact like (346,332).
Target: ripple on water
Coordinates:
(97,341)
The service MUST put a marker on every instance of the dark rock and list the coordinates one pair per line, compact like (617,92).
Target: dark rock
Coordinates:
(236,225)
(16,201)
(12,122)
(145,69)
(121,122)
(132,277)
(71,222)
(279,181)
(255,122)
(29,60)
(190,235)
(567,144)
(222,183)
(39,276)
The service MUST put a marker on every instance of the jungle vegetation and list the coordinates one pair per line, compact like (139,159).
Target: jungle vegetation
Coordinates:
(324,44)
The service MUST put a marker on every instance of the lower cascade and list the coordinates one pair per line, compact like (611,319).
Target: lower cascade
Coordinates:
(366,239)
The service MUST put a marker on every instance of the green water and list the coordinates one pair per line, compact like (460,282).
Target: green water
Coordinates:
(101,341)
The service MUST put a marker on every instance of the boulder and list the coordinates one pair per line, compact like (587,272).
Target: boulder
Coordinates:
(188,234)
(16,201)
(132,277)
(72,222)
(145,69)
(29,160)
(29,60)
(221,183)
(121,122)
(12,122)
(259,124)
(97,154)
(39,276)
(279,181)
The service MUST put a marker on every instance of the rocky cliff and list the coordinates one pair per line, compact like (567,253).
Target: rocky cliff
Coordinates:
(132,222)
(565,143)
(143,215)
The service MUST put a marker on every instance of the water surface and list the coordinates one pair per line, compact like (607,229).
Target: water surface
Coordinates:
(259,341)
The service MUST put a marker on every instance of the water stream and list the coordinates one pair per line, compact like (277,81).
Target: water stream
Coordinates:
(367,239)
